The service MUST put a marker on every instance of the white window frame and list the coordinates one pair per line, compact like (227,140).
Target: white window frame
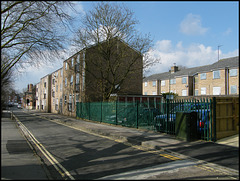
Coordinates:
(77,78)
(216,90)
(203,91)
(233,72)
(163,83)
(66,66)
(233,87)
(184,80)
(184,92)
(216,74)
(196,92)
(146,84)
(72,61)
(203,76)
(172,81)
(154,83)
(66,82)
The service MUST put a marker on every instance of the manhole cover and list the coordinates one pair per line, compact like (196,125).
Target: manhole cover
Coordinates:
(18,147)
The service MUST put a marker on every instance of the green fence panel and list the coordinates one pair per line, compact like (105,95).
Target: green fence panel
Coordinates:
(157,116)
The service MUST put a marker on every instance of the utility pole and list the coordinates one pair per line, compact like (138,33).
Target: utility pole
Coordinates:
(218,51)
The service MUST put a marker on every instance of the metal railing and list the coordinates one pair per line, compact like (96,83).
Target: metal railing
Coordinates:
(161,118)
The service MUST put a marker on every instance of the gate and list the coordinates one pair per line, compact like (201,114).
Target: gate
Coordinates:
(166,121)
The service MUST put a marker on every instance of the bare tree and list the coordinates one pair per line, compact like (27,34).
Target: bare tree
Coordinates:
(99,29)
(31,31)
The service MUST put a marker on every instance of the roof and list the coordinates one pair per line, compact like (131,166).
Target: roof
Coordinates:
(232,62)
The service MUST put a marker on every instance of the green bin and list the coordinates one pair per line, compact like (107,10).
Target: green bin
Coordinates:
(186,126)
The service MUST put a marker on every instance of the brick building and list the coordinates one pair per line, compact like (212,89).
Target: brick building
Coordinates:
(43,94)
(56,91)
(219,78)
(29,100)
(83,72)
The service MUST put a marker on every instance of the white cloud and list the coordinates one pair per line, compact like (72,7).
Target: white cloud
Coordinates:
(193,55)
(227,32)
(191,25)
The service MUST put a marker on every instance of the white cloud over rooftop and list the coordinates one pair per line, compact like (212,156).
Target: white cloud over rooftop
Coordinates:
(192,25)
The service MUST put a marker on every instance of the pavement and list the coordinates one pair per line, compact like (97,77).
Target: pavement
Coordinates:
(224,152)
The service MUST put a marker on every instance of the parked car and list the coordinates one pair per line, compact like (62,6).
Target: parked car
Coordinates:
(19,106)
(202,109)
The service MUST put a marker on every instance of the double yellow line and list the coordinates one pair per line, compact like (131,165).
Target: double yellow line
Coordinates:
(61,170)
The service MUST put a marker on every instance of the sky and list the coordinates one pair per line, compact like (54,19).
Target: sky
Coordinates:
(183,32)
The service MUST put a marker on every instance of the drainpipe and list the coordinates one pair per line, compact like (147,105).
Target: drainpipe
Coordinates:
(227,77)
(194,83)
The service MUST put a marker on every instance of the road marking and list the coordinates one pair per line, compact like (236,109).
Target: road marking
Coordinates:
(121,141)
(61,170)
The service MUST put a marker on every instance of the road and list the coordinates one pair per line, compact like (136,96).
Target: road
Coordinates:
(73,154)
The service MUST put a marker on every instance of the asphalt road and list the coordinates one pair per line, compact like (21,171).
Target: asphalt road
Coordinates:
(86,156)
(74,154)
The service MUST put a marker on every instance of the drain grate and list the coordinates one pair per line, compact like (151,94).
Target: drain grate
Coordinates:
(18,147)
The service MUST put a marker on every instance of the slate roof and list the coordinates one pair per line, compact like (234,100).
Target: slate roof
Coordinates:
(232,62)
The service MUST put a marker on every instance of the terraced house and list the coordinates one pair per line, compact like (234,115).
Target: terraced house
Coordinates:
(219,78)
(43,94)
(56,91)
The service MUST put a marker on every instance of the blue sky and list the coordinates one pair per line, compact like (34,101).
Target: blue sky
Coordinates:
(185,33)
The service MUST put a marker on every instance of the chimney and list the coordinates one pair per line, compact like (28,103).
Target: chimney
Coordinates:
(30,87)
(174,68)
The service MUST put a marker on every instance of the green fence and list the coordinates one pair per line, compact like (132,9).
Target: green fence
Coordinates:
(161,117)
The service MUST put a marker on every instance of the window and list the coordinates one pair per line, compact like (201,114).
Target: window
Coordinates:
(172,81)
(70,103)
(73,102)
(163,83)
(83,55)
(71,81)
(184,92)
(83,80)
(72,62)
(146,84)
(203,91)
(216,90)
(154,83)
(61,87)
(56,88)
(77,78)
(184,80)
(203,76)
(45,84)
(233,72)
(65,82)
(154,93)
(53,81)
(77,97)
(78,58)
(196,92)
(233,89)
(44,96)
(65,99)
(216,74)
(65,65)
